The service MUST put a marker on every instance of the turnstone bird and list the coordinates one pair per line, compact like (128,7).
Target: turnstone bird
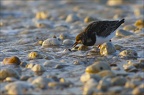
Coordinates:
(98,32)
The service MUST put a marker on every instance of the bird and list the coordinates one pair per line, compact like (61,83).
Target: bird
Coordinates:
(98,32)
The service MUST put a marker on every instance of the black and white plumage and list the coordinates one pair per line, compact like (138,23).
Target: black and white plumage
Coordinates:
(98,32)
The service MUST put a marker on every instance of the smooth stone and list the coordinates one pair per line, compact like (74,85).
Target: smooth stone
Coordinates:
(89,19)
(10,79)
(90,87)
(118,81)
(34,55)
(23,64)
(58,66)
(8,72)
(106,73)
(139,64)
(43,25)
(103,84)
(72,18)
(30,65)
(115,68)
(41,82)
(129,28)
(123,33)
(53,84)
(51,42)
(86,77)
(97,67)
(132,84)
(38,68)
(115,89)
(25,77)
(139,24)
(68,42)
(78,62)
(41,15)
(50,63)
(138,91)
(11,60)
(63,36)
(114,2)
(19,88)
(138,12)
(129,53)
(107,49)
(129,67)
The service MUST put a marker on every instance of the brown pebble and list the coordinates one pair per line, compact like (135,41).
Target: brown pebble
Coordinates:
(11,60)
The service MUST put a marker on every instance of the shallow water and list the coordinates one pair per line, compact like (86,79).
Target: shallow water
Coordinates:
(19,34)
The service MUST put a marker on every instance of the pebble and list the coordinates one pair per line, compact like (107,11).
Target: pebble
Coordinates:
(72,18)
(25,77)
(41,15)
(50,63)
(118,81)
(30,65)
(59,85)
(129,53)
(19,88)
(23,64)
(43,25)
(104,84)
(34,55)
(38,68)
(8,72)
(129,28)
(10,79)
(138,91)
(139,24)
(106,73)
(89,19)
(115,90)
(97,67)
(90,87)
(51,42)
(107,49)
(114,2)
(12,60)
(64,36)
(123,33)
(68,42)
(86,77)
(129,67)
(132,84)
(58,66)
(41,82)
(78,62)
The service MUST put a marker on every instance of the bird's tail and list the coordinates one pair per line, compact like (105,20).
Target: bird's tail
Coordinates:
(120,22)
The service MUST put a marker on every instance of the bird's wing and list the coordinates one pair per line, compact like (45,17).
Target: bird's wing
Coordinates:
(102,28)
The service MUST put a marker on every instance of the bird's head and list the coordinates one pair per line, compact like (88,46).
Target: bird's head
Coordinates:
(79,39)
(84,39)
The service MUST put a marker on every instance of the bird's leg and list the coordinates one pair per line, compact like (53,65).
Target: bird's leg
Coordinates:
(99,46)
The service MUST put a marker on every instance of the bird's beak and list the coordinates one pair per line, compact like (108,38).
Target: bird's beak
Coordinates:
(74,44)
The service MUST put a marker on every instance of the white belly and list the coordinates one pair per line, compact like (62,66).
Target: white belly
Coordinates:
(101,40)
